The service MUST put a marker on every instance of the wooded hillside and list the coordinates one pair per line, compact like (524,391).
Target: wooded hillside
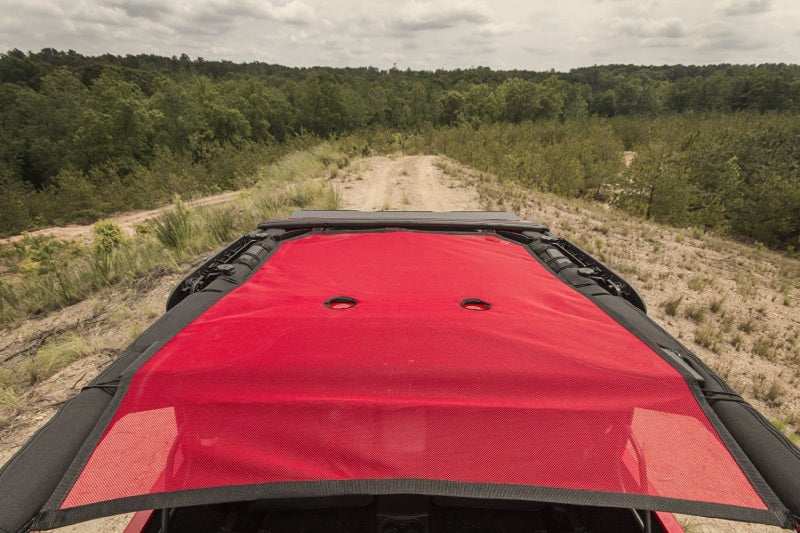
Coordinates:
(717,146)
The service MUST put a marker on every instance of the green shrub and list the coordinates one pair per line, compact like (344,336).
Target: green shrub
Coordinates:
(107,235)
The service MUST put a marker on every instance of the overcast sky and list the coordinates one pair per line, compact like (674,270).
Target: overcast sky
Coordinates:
(416,34)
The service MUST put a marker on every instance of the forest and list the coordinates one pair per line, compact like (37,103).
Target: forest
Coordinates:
(716,147)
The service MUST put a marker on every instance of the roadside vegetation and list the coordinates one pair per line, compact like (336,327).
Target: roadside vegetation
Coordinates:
(42,274)
(731,174)
(713,147)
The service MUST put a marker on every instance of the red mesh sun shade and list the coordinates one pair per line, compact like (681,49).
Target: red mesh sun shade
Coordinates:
(541,388)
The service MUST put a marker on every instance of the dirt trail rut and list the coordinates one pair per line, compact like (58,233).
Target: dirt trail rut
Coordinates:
(408,183)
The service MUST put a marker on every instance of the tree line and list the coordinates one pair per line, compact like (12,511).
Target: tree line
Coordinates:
(734,173)
(82,136)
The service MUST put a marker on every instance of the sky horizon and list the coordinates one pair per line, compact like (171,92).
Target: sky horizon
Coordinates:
(415,34)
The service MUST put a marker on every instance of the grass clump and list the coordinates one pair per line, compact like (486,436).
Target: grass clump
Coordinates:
(671,305)
(222,223)
(55,355)
(174,228)
(765,348)
(707,337)
(9,405)
(747,326)
(785,426)
(696,313)
(107,236)
(772,393)
(737,341)
(698,283)
(41,274)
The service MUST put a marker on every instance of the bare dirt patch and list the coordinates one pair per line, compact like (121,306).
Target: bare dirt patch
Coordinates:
(405,183)
(744,301)
(628,157)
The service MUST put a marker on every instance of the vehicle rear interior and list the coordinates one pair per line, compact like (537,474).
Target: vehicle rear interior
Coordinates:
(400,514)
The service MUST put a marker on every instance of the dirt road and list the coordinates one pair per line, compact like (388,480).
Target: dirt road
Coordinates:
(127,221)
(408,183)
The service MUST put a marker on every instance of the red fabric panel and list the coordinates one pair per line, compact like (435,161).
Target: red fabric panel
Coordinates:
(543,389)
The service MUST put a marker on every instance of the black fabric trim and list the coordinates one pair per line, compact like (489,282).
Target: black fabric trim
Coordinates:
(187,310)
(654,336)
(29,476)
(82,456)
(438,226)
(50,462)
(195,304)
(483,491)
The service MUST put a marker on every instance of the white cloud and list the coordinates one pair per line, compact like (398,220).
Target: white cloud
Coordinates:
(295,12)
(743,7)
(9,24)
(419,15)
(45,8)
(147,9)
(425,34)
(721,37)
(670,27)
(496,29)
(98,13)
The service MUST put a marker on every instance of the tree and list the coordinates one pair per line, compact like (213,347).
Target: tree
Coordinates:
(480,105)
(118,122)
(15,215)
(451,108)
(517,100)
(321,105)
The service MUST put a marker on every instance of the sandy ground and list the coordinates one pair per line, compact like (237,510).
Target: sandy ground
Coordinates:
(409,183)
(660,262)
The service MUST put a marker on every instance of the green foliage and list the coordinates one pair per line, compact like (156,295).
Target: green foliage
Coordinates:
(15,214)
(451,107)
(107,236)
(716,146)
(734,174)
(671,305)
(574,158)
(54,355)
(48,274)
(221,223)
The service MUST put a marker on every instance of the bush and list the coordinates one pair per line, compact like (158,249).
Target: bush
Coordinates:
(107,235)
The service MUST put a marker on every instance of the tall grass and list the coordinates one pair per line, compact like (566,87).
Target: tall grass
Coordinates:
(42,274)
(42,277)
(55,355)
(174,228)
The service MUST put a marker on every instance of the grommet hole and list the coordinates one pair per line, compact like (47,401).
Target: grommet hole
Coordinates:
(475,304)
(340,302)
